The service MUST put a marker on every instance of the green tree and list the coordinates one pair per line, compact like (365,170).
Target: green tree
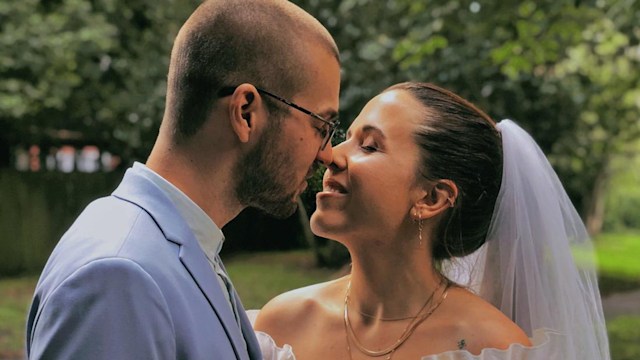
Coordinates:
(598,67)
(49,51)
(96,69)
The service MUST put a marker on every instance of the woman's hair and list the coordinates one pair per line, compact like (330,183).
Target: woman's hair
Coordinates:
(458,142)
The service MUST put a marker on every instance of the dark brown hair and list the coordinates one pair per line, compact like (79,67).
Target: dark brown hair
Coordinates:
(226,43)
(458,142)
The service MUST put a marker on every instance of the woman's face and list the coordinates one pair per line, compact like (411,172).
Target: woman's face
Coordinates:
(370,188)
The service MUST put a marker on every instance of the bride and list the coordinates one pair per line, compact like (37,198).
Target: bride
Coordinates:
(462,242)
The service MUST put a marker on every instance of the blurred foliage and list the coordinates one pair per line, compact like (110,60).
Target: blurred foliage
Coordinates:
(618,266)
(617,255)
(623,197)
(97,67)
(624,333)
(568,71)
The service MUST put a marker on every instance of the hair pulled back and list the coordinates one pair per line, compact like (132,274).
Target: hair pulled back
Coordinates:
(458,142)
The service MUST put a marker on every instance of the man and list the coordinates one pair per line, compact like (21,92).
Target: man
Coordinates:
(251,105)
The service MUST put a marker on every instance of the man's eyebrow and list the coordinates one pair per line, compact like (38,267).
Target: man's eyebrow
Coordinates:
(328,114)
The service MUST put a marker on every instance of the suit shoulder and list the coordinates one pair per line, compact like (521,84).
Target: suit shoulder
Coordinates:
(116,278)
(102,295)
(104,228)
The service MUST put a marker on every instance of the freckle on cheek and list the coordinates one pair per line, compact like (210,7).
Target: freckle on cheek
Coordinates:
(301,139)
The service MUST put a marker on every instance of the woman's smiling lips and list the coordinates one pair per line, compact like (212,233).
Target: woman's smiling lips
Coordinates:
(331,187)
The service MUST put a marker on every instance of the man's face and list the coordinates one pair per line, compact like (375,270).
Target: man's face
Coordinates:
(275,172)
(260,176)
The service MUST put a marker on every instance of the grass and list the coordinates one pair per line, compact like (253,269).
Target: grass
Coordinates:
(15,297)
(259,277)
(624,337)
(618,254)
(618,264)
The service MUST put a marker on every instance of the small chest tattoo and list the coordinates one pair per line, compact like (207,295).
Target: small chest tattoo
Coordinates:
(462,344)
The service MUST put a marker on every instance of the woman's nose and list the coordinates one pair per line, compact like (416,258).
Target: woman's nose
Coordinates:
(339,161)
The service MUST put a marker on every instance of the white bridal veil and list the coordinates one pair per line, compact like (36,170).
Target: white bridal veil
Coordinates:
(538,264)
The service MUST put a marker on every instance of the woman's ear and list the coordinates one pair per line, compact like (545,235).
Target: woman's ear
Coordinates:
(441,196)
(244,108)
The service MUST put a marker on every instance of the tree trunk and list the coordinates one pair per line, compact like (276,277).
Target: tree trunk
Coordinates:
(309,238)
(596,199)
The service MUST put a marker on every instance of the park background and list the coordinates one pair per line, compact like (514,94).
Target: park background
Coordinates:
(82,86)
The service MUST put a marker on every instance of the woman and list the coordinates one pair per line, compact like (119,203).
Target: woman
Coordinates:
(414,193)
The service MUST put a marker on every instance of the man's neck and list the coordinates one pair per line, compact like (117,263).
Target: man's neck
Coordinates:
(211,187)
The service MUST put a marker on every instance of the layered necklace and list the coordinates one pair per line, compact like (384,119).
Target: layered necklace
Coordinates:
(420,316)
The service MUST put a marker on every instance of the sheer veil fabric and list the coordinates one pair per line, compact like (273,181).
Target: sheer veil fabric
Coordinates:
(538,264)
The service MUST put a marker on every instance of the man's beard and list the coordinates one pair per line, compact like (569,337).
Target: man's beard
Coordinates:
(263,177)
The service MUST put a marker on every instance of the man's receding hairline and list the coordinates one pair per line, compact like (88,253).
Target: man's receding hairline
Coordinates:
(298,16)
(225,43)
(310,32)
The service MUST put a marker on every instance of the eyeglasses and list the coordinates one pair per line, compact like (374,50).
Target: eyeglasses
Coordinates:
(326,132)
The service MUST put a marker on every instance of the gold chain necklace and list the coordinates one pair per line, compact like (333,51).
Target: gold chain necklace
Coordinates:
(418,319)
(384,319)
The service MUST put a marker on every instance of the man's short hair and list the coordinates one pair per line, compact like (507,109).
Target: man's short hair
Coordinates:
(226,43)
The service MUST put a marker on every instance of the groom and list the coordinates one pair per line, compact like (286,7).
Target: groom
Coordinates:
(251,105)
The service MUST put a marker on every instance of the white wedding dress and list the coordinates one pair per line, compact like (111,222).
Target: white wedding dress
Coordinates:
(537,265)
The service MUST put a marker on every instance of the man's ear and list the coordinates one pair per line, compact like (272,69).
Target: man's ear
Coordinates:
(244,107)
(441,196)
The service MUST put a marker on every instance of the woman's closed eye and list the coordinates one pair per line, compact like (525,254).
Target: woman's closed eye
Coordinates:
(369,146)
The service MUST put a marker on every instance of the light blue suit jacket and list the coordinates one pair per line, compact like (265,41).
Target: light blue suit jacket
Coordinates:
(129,281)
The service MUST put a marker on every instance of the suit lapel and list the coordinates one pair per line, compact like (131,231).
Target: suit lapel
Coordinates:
(140,191)
(253,347)
(198,266)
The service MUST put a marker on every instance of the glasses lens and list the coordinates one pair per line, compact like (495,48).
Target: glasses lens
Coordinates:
(328,137)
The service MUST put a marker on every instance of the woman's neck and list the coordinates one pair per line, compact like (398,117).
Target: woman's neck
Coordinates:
(391,284)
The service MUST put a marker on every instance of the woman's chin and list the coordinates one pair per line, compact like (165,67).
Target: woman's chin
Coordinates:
(325,225)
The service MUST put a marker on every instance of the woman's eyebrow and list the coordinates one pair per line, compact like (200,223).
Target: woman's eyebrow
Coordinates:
(371,128)
(368,129)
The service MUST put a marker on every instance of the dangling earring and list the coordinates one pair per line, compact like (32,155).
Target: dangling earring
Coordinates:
(420,229)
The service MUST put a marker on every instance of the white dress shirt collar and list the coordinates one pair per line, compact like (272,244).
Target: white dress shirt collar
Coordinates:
(208,234)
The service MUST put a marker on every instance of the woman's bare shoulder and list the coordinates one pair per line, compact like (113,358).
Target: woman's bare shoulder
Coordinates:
(478,325)
(286,312)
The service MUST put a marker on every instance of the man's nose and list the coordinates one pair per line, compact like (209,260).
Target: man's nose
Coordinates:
(338,159)
(325,156)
